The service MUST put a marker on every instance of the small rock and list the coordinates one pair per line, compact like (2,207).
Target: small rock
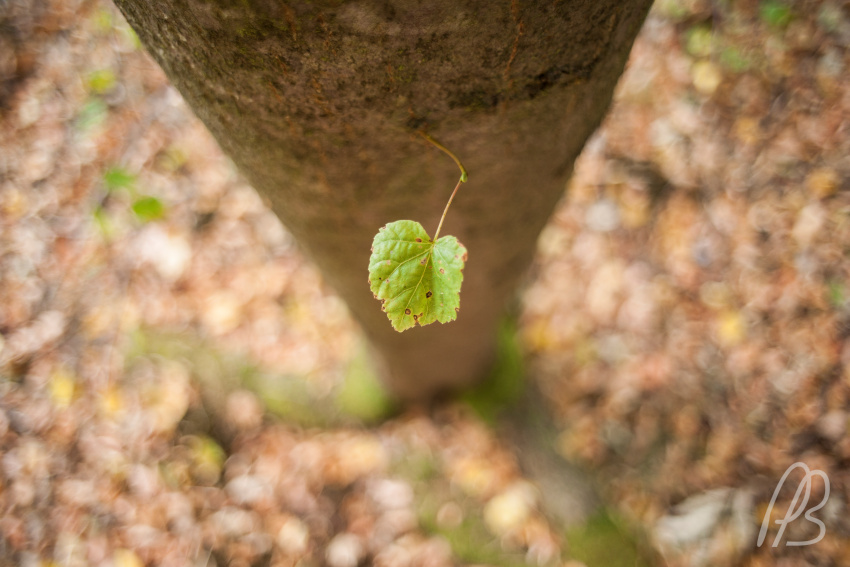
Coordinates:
(222,312)
(77,492)
(244,410)
(692,520)
(712,528)
(833,425)
(809,222)
(248,489)
(293,537)
(393,523)
(143,481)
(602,216)
(604,290)
(168,251)
(143,536)
(234,522)
(345,550)
(391,494)
(260,542)
(508,510)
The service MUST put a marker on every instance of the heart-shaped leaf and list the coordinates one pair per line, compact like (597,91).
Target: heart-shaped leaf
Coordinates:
(418,279)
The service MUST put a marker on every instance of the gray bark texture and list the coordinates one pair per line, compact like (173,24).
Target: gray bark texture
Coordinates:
(318,103)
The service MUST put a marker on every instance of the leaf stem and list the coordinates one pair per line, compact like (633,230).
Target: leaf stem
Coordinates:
(437,234)
(463,177)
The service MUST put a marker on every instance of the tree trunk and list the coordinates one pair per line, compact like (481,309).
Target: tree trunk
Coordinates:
(318,102)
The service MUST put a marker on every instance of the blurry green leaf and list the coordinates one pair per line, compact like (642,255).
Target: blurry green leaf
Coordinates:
(774,13)
(149,209)
(172,159)
(699,41)
(102,222)
(732,58)
(207,459)
(836,292)
(100,82)
(130,37)
(118,178)
(92,114)
(102,20)
(207,456)
(418,279)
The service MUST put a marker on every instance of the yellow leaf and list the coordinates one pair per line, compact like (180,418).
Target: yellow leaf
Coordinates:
(126,558)
(731,328)
(706,76)
(111,403)
(822,182)
(62,387)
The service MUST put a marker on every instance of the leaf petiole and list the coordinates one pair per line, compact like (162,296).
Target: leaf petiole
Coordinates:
(463,178)
(442,218)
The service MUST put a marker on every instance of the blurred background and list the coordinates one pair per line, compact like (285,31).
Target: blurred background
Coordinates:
(178,386)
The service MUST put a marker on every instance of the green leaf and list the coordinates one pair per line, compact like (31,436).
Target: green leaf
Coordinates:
(776,14)
(149,209)
(103,222)
(418,279)
(118,178)
(101,82)
(91,115)
(699,41)
(102,20)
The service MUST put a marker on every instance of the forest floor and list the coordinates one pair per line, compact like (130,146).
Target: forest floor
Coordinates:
(168,357)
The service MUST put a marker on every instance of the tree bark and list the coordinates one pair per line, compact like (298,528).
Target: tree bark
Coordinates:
(317,102)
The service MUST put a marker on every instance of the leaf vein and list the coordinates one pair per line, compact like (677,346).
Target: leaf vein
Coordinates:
(405,262)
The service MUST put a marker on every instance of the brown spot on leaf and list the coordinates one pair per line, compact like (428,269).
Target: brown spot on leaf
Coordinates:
(418,240)
(388,262)
(415,317)
(429,294)
(464,257)
(442,271)
(423,260)
(457,309)
(407,311)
